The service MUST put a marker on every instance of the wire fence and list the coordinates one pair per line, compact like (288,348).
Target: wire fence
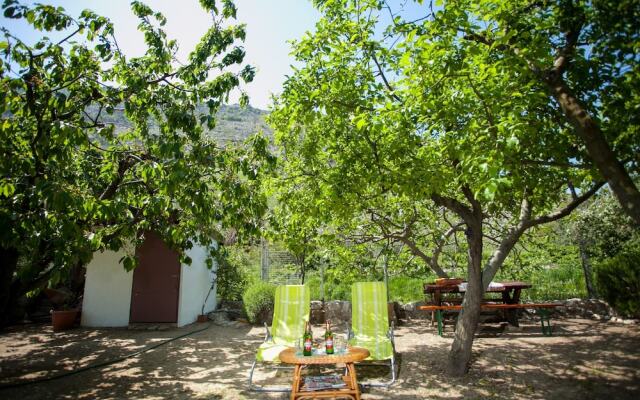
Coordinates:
(278,266)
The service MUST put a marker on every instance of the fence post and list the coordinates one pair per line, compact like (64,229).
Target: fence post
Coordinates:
(264,260)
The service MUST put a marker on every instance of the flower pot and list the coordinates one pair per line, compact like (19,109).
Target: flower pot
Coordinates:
(203,318)
(63,319)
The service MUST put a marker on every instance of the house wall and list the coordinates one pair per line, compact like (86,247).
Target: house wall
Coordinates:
(107,291)
(195,282)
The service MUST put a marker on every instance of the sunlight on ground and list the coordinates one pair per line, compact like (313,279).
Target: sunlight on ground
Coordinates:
(584,359)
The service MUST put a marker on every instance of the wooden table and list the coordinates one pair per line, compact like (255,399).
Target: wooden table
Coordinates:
(510,292)
(352,390)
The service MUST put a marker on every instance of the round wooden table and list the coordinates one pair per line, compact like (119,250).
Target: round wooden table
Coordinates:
(351,390)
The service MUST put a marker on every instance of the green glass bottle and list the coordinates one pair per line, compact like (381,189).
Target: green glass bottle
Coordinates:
(328,338)
(307,340)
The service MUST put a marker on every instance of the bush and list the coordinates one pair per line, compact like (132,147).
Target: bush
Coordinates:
(341,291)
(235,264)
(313,284)
(258,300)
(406,290)
(618,279)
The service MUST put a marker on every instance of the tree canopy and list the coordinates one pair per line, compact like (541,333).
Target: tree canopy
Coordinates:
(391,121)
(72,184)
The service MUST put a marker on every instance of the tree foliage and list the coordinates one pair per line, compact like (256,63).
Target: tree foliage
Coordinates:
(72,184)
(414,129)
(603,226)
(618,279)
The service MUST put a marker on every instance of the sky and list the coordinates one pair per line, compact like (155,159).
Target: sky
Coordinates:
(270,24)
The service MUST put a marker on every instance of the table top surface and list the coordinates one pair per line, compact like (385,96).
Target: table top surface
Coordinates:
(352,355)
(506,286)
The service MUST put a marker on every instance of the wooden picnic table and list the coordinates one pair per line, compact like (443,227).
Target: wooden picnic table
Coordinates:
(510,294)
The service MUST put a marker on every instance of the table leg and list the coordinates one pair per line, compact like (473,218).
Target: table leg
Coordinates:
(437,300)
(353,379)
(512,314)
(297,377)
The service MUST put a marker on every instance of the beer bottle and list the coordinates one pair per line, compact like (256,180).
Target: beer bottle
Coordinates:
(307,340)
(328,338)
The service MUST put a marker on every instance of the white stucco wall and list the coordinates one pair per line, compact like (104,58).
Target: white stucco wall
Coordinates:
(107,291)
(195,282)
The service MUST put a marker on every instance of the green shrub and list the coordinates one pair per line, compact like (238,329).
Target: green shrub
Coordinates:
(341,291)
(406,290)
(235,272)
(618,279)
(555,283)
(553,269)
(258,299)
(313,283)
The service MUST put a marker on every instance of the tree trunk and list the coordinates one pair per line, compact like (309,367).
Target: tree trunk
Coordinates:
(599,150)
(586,268)
(460,353)
(9,257)
(584,256)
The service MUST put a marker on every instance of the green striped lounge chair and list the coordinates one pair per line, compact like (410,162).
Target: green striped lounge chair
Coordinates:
(370,327)
(290,314)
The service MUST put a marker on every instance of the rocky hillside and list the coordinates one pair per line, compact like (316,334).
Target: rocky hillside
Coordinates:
(233,123)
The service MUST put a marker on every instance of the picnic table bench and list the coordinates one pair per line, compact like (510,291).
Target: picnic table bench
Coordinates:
(509,294)
(542,309)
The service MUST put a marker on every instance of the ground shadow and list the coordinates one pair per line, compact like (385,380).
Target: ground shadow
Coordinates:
(584,360)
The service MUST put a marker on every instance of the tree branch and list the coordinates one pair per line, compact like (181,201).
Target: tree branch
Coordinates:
(566,210)
(454,205)
(384,79)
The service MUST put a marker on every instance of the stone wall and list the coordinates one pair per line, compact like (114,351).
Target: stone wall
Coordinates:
(339,312)
(317,313)
(586,308)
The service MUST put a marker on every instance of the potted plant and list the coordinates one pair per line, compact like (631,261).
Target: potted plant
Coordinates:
(64,319)
(65,311)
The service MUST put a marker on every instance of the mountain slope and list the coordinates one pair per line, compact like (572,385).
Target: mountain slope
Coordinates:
(233,123)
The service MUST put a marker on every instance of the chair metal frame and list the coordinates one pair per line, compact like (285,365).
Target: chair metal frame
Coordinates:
(264,388)
(391,364)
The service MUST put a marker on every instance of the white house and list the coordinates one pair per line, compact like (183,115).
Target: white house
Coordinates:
(159,290)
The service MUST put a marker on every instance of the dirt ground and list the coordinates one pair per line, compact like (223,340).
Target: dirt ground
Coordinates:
(584,359)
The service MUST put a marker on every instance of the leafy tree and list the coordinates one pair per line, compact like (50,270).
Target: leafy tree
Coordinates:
(295,231)
(603,226)
(581,54)
(70,184)
(400,121)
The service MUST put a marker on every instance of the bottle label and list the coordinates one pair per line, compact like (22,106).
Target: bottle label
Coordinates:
(307,345)
(329,342)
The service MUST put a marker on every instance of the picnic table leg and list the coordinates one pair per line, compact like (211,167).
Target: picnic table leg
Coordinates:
(511,314)
(544,317)
(437,300)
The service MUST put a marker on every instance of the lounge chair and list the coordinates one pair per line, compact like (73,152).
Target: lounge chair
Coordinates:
(370,326)
(290,314)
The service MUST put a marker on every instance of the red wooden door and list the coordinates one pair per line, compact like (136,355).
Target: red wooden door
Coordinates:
(156,282)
